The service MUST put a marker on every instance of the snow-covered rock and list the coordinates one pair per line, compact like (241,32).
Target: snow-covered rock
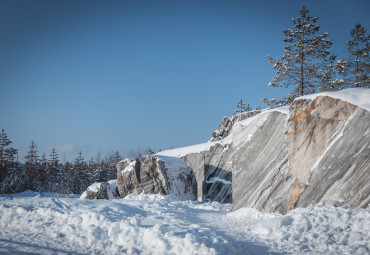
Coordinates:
(211,164)
(156,174)
(320,154)
(316,151)
(259,162)
(101,190)
(128,177)
(226,125)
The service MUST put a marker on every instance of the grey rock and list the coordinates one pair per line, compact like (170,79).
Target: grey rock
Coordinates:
(259,176)
(331,140)
(226,125)
(212,169)
(101,190)
(320,155)
(128,177)
(152,176)
(156,174)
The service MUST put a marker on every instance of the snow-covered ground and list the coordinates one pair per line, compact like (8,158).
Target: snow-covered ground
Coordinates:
(31,223)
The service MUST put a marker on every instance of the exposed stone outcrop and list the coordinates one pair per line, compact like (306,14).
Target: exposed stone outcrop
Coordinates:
(212,169)
(101,190)
(128,177)
(226,125)
(260,163)
(321,154)
(318,151)
(155,174)
(329,146)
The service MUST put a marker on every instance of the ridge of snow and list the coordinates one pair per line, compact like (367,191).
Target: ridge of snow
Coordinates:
(182,151)
(356,96)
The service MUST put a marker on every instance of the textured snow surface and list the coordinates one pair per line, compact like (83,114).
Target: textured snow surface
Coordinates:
(31,223)
(356,96)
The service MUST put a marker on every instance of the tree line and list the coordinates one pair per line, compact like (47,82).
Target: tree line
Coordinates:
(308,64)
(49,174)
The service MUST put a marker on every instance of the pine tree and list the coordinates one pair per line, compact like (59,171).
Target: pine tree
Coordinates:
(81,177)
(240,107)
(117,157)
(7,155)
(306,60)
(55,180)
(11,172)
(31,167)
(43,176)
(359,64)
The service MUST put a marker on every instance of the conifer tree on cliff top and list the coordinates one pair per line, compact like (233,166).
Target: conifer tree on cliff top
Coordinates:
(304,64)
(359,62)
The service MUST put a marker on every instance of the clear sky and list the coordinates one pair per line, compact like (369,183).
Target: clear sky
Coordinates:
(100,76)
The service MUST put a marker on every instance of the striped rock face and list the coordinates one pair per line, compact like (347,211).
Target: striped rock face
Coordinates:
(320,153)
(156,174)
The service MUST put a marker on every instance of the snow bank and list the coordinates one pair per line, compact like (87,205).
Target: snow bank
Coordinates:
(318,229)
(179,152)
(89,227)
(356,96)
(157,224)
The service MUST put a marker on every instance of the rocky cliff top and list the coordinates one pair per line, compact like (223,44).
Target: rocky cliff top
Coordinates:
(357,96)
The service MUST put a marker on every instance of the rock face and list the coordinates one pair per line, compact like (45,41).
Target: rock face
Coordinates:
(156,174)
(128,177)
(331,140)
(260,163)
(320,154)
(212,169)
(318,151)
(226,125)
(101,190)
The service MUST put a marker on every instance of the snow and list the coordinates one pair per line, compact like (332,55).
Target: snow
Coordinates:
(111,188)
(33,223)
(183,151)
(356,96)
(218,179)
(130,167)
(95,187)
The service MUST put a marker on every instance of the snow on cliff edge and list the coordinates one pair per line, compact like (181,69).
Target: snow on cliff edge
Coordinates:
(356,96)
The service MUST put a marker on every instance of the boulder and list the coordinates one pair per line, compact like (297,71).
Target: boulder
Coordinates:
(128,177)
(101,190)
(156,174)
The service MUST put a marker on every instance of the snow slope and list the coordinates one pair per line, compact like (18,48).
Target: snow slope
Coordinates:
(179,152)
(356,96)
(31,223)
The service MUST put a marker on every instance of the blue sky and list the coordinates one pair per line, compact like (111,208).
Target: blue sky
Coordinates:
(101,76)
